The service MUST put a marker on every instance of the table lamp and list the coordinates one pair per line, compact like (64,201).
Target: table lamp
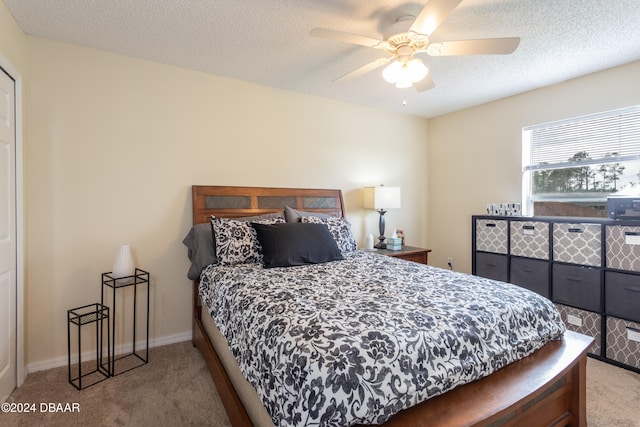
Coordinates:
(381,198)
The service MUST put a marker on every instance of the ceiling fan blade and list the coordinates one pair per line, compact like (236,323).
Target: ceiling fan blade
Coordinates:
(347,38)
(502,46)
(425,84)
(432,15)
(364,69)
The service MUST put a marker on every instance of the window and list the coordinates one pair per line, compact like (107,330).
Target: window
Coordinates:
(571,166)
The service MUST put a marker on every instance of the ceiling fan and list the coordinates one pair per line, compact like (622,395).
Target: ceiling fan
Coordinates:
(410,36)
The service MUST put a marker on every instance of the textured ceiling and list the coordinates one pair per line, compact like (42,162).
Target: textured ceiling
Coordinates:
(268,42)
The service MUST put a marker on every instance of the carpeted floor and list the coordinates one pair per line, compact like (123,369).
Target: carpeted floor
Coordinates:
(175,389)
(613,396)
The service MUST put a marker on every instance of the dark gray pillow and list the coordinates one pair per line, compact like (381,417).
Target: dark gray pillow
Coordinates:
(201,250)
(294,215)
(295,243)
(339,228)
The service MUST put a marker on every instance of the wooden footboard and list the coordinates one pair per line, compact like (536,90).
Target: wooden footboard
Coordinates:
(544,389)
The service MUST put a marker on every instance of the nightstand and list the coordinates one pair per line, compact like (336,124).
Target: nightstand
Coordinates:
(409,253)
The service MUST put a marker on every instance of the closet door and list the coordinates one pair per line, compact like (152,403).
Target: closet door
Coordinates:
(8,251)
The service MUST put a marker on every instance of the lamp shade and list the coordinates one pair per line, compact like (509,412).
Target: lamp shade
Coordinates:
(382,197)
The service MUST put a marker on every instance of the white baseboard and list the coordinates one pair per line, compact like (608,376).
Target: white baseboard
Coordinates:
(91,355)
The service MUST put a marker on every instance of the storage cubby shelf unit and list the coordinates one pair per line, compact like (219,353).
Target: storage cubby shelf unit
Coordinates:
(589,267)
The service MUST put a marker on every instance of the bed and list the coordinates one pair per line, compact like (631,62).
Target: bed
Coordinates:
(544,388)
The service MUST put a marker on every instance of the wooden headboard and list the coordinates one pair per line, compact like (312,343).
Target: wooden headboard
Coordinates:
(233,202)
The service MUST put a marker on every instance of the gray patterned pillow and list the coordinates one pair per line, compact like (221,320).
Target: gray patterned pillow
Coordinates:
(294,215)
(340,230)
(237,242)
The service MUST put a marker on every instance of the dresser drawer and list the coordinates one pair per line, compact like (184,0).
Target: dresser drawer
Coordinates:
(491,236)
(584,322)
(420,258)
(530,239)
(623,341)
(532,274)
(578,243)
(491,266)
(577,286)
(623,247)
(622,295)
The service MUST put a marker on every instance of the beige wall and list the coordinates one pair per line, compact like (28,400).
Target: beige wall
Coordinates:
(13,42)
(115,144)
(477,158)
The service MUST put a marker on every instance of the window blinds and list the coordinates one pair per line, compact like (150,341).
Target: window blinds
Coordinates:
(613,136)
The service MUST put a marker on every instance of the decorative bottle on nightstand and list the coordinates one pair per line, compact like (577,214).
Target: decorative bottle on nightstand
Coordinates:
(368,242)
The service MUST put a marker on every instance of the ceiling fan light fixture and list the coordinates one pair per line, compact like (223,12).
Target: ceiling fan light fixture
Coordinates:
(404,83)
(409,36)
(405,74)
(392,71)
(417,70)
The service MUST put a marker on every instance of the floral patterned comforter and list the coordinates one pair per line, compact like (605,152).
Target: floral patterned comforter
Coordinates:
(356,341)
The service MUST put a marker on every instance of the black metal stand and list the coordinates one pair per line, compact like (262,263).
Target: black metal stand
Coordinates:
(80,316)
(133,359)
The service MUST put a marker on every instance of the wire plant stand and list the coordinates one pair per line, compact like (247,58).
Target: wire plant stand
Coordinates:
(137,356)
(80,316)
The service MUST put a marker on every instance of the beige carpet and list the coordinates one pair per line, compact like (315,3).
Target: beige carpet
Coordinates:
(613,396)
(175,389)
